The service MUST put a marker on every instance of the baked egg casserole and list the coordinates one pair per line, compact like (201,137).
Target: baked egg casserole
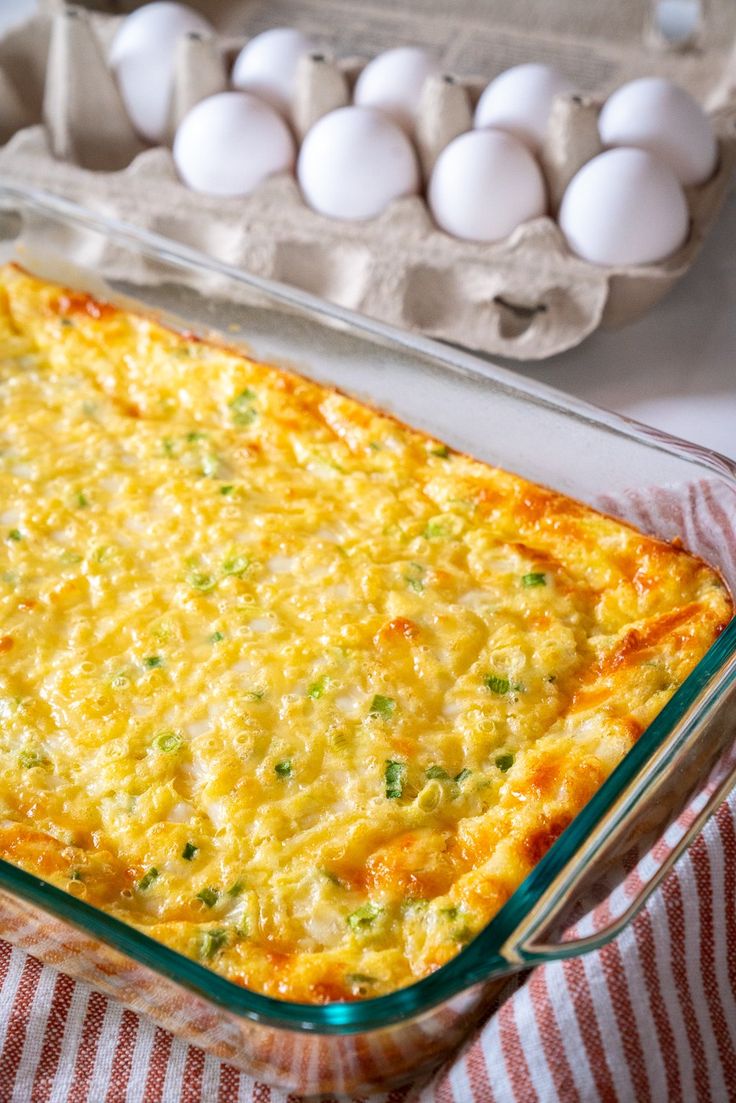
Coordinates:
(287,685)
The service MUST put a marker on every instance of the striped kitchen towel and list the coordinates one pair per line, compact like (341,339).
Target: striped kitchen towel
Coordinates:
(650,1017)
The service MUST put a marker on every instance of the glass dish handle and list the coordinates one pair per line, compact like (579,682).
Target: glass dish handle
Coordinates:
(627,856)
(533,947)
(626,853)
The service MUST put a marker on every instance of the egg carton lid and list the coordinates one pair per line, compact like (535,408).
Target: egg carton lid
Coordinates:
(526,297)
(599,46)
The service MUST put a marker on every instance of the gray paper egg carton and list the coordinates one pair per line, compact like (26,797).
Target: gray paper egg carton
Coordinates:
(527,297)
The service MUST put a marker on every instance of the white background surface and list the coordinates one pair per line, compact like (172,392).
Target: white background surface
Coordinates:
(676,368)
(13,10)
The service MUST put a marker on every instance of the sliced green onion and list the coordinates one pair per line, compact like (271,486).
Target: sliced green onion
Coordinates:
(382,706)
(147,879)
(255,694)
(441,450)
(413,577)
(283,768)
(168,741)
(438,772)
(243,400)
(208,896)
(195,435)
(226,489)
(395,777)
(29,758)
(363,916)
(237,565)
(15,534)
(152,661)
(504,762)
(216,637)
(460,778)
(243,412)
(535,578)
(82,501)
(189,852)
(497,684)
(202,581)
(317,689)
(236,889)
(433,530)
(212,941)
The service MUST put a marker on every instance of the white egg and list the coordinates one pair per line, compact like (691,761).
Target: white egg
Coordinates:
(519,101)
(624,207)
(484,184)
(393,83)
(267,66)
(229,143)
(354,162)
(142,56)
(656,115)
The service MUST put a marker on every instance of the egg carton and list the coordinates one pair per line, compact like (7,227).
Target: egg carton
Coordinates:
(527,297)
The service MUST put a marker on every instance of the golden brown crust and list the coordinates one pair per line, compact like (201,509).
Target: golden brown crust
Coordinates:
(356,684)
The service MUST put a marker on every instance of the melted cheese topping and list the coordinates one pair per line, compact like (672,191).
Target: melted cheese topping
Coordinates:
(287,685)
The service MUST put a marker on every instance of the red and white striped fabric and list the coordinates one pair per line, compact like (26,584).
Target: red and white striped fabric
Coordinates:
(651,1017)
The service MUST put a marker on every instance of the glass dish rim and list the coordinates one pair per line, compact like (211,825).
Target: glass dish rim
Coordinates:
(456,975)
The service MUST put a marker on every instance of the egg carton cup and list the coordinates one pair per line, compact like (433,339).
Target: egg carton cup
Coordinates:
(526,297)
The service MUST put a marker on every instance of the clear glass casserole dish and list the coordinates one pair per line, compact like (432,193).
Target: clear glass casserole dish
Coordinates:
(603,867)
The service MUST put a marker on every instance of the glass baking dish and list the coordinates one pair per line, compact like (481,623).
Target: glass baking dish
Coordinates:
(601,870)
